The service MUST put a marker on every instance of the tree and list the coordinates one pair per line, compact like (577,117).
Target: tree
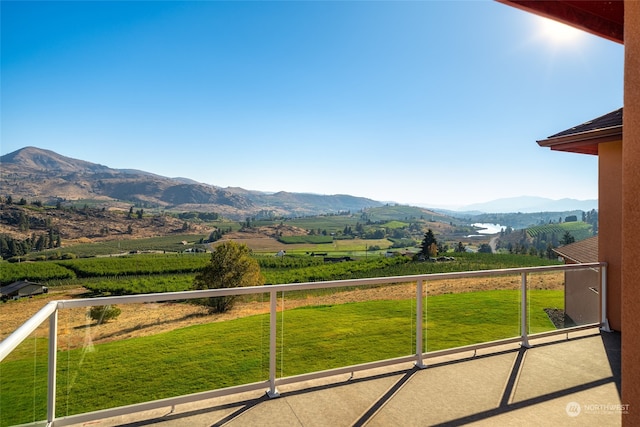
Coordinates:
(231,266)
(567,238)
(40,243)
(460,248)
(485,248)
(23,222)
(429,245)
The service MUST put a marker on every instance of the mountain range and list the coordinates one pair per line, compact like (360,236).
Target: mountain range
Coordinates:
(37,174)
(529,204)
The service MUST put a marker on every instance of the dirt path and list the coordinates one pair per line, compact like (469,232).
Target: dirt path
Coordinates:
(493,243)
(136,320)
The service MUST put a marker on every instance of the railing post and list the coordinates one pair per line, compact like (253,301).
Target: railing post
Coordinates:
(51,372)
(604,321)
(524,324)
(419,319)
(273,300)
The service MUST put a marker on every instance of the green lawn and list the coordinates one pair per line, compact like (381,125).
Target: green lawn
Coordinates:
(222,354)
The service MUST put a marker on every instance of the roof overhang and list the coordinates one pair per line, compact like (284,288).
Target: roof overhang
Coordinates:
(583,142)
(601,18)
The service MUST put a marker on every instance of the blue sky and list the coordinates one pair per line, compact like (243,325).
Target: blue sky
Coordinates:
(434,103)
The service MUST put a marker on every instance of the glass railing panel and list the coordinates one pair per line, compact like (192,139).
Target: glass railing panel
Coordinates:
(471,310)
(158,350)
(23,381)
(563,299)
(545,300)
(332,328)
(583,296)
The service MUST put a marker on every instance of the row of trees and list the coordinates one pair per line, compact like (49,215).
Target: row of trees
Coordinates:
(541,245)
(430,247)
(10,247)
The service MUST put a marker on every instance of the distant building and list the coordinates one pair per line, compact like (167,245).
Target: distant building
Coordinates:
(22,288)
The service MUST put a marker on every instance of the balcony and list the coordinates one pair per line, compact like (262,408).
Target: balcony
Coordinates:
(387,352)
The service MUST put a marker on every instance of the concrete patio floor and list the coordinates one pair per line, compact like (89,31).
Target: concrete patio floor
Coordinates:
(560,381)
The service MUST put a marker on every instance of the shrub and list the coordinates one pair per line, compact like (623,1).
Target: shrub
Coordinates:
(104,313)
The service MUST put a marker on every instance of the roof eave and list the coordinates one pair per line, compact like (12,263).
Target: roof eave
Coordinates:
(583,142)
(586,16)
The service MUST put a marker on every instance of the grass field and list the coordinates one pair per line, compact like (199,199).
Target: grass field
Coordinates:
(220,354)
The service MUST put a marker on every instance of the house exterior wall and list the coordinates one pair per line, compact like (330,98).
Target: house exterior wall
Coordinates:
(581,296)
(631,216)
(610,225)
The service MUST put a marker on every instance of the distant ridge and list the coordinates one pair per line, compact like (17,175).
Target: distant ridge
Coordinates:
(38,159)
(530,204)
(36,174)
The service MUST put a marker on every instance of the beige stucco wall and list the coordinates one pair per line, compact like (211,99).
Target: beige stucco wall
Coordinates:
(610,225)
(631,216)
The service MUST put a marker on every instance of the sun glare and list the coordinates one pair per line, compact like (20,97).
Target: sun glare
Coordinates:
(558,33)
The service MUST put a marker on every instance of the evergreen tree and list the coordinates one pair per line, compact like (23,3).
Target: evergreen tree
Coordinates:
(567,238)
(429,245)
(40,243)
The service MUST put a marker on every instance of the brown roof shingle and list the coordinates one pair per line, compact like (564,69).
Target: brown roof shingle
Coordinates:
(612,119)
(583,251)
(584,138)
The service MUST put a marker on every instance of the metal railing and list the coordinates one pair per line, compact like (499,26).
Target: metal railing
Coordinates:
(50,312)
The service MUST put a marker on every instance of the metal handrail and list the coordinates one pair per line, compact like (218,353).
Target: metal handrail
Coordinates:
(12,341)
(206,293)
(50,312)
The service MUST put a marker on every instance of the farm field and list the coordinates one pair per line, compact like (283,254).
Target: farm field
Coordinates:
(289,269)
(579,230)
(175,243)
(353,247)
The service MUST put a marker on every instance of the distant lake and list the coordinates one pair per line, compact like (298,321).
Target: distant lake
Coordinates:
(488,228)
